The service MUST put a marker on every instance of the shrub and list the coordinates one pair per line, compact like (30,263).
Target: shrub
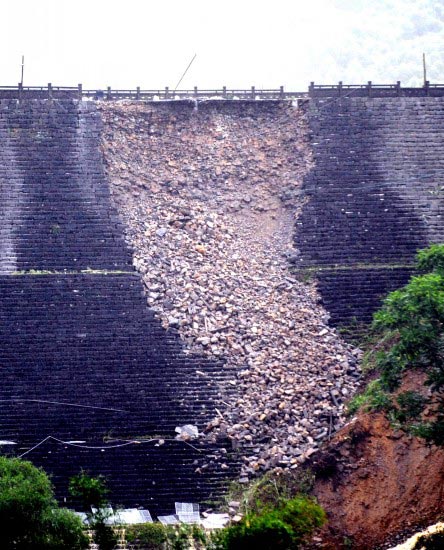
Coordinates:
(271,489)
(303,514)
(148,535)
(92,492)
(411,405)
(431,259)
(104,536)
(374,398)
(280,528)
(65,530)
(266,532)
(29,515)
(154,536)
(411,327)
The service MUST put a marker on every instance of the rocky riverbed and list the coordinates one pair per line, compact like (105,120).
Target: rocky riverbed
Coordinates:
(209,196)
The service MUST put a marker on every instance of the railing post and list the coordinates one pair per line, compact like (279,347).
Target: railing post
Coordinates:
(311,89)
(20,90)
(340,88)
(195,91)
(79,91)
(49,90)
(108,92)
(398,88)
(427,87)
(281,92)
(224,91)
(253,92)
(369,88)
(138,92)
(167,91)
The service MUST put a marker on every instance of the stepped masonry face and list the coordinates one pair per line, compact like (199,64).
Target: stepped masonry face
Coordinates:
(221,206)
(374,198)
(82,358)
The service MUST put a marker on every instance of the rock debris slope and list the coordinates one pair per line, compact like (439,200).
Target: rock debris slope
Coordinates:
(209,195)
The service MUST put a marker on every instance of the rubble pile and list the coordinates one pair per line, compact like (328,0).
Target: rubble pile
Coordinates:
(209,198)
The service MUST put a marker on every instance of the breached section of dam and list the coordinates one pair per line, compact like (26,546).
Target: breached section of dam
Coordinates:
(203,201)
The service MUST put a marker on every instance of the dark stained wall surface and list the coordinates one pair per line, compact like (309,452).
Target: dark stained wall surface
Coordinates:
(374,197)
(54,204)
(82,358)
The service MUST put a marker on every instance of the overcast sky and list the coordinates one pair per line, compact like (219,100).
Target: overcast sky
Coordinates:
(239,43)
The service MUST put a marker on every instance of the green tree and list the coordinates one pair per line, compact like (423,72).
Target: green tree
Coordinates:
(411,328)
(29,515)
(92,492)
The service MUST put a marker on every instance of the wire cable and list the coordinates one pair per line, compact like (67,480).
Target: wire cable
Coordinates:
(18,399)
(125,443)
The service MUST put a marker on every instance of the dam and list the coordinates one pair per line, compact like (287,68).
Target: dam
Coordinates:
(188,262)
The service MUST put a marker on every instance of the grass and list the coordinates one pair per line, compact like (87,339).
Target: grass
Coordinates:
(270,489)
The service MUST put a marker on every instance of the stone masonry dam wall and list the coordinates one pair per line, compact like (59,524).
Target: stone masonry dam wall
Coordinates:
(211,328)
(373,198)
(82,358)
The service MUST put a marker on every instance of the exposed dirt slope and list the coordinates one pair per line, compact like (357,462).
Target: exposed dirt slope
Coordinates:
(375,483)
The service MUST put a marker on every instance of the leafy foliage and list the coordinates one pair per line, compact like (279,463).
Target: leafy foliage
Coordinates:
(64,530)
(274,528)
(29,515)
(104,535)
(431,259)
(265,531)
(271,489)
(414,317)
(374,398)
(152,536)
(148,535)
(283,526)
(92,492)
(411,404)
(411,328)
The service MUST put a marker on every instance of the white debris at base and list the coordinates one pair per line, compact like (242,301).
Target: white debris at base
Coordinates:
(186,432)
(215,521)
(168,520)
(187,512)
(127,516)
(131,516)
